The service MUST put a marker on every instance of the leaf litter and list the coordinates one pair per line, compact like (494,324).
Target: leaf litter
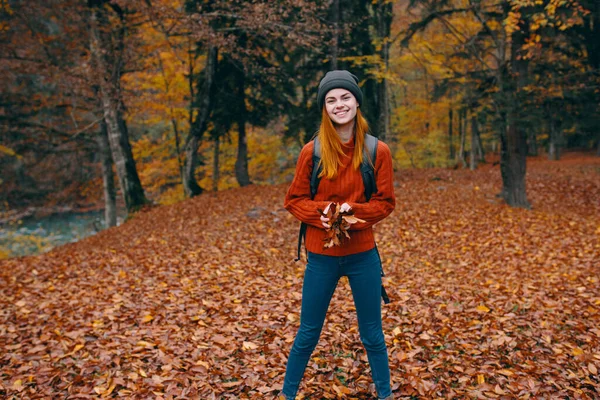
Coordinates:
(201,300)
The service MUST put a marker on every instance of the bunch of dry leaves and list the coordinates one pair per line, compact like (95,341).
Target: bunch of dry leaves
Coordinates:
(338,218)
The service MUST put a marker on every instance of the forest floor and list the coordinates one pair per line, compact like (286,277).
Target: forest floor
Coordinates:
(201,299)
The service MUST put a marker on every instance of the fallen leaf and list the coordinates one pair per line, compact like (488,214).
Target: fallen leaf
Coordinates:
(249,346)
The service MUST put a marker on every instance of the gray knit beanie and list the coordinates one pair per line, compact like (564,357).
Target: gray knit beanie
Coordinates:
(338,79)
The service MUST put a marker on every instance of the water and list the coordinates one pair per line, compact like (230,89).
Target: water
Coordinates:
(38,235)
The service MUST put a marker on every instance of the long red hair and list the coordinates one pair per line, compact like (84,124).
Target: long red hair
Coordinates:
(331,145)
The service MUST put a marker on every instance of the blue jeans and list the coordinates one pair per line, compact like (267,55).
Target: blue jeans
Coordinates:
(320,280)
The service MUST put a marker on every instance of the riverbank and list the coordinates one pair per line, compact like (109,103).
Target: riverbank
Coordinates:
(33,231)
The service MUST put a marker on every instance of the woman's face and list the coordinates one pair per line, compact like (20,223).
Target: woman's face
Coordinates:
(341,106)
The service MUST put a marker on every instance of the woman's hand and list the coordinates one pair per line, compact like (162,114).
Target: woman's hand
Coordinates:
(324,219)
(345,207)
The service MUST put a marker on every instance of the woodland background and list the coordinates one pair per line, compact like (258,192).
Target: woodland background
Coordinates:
(145,110)
(118,104)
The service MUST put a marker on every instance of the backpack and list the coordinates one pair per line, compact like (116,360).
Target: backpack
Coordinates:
(367,171)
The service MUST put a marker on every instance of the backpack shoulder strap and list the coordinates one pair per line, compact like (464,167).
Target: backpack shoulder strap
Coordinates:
(367,169)
(316,169)
(372,142)
(314,186)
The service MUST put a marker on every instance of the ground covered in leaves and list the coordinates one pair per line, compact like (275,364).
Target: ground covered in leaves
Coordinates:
(201,299)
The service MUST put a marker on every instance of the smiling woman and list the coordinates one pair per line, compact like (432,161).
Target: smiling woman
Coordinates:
(341,106)
(341,195)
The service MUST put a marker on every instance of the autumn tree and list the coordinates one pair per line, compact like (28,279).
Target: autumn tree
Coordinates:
(46,103)
(384,15)
(107,42)
(585,36)
(250,38)
(499,38)
(57,55)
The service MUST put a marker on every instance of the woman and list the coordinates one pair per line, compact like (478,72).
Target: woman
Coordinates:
(342,137)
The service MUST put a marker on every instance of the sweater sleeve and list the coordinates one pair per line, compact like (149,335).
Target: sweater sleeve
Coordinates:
(297,200)
(382,202)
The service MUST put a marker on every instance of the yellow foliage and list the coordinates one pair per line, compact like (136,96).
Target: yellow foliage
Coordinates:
(158,168)
(8,151)
(172,195)
(4,253)
(270,160)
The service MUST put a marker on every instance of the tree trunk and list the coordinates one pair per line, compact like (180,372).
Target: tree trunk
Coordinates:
(383,123)
(451,154)
(177,146)
(554,140)
(241,164)
(110,192)
(190,185)
(514,151)
(532,148)
(108,62)
(216,152)
(462,117)
(198,126)
(591,31)
(504,160)
(336,35)
(474,139)
(384,23)
(591,27)
(479,144)
(515,163)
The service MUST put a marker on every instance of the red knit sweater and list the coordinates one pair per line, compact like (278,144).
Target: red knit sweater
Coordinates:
(346,187)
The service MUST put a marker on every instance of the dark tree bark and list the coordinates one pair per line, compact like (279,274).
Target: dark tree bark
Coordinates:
(590,29)
(514,146)
(480,151)
(474,143)
(591,33)
(198,126)
(462,118)
(335,43)
(241,163)
(515,153)
(110,192)
(554,140)
(107,47)
(532,148)
(451,154)
(216,153)
(384,12)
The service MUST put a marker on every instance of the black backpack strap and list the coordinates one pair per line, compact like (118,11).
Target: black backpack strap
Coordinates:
(367,168)
(314,185)
(368,172)
(384,294)
(301,236)
(316,170)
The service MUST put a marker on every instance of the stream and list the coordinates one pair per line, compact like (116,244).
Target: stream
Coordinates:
(38,235)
